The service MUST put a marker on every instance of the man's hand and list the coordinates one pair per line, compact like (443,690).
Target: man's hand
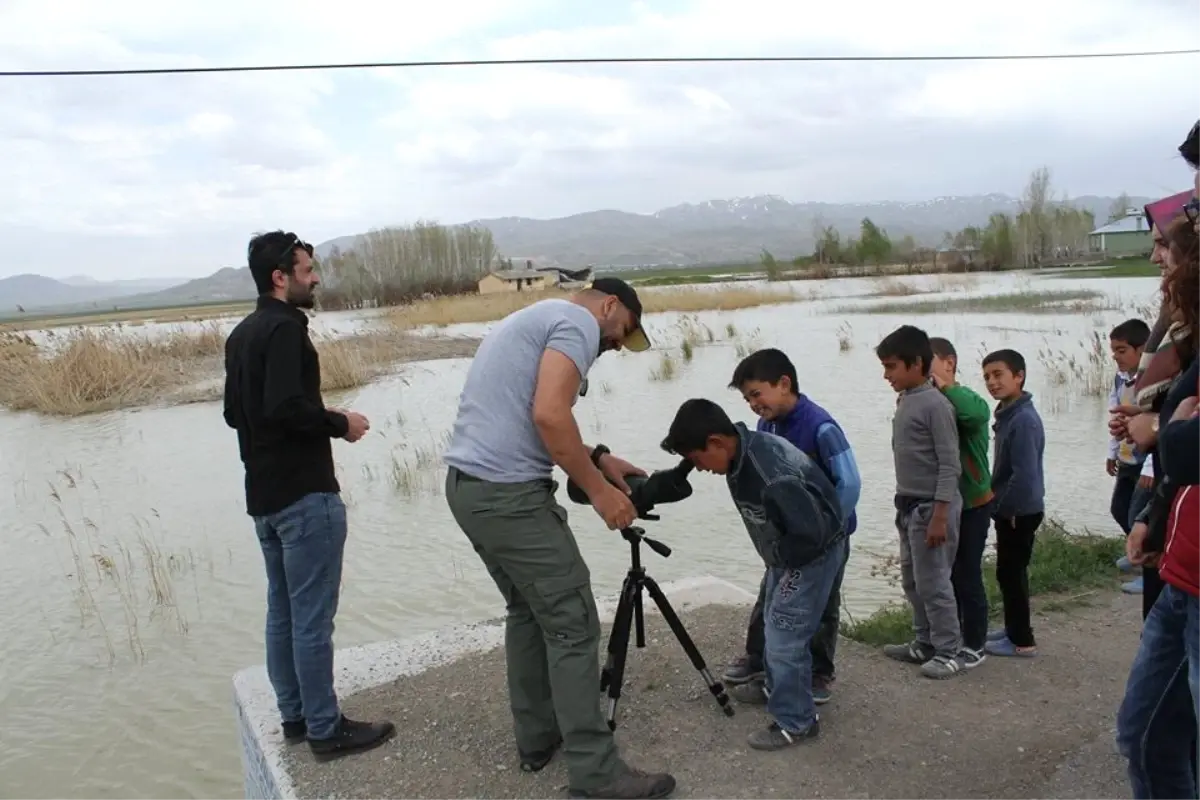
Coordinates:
(1145,482)
(1142,432)
(935,534)
(615,469)
(614,507)
(1133,546)
(1110,466)
(358,425)
(1185,410)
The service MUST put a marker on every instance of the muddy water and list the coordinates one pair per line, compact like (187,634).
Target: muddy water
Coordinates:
(134,585)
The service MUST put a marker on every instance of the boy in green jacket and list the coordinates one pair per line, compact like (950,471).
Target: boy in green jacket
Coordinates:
(974,415)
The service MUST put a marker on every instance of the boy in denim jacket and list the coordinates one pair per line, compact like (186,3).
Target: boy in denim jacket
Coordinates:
(795,521)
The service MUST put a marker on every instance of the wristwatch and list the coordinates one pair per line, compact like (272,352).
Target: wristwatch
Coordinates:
(1154,424)
(598,451)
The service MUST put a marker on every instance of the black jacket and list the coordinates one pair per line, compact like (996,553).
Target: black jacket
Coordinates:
(273,401)
(1155,513)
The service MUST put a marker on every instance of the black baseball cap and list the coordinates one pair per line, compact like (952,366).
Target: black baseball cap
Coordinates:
(636,341)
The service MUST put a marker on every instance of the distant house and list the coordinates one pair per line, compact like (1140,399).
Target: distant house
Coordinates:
(515,280)
(949,256)
(568,278)
(1128,236)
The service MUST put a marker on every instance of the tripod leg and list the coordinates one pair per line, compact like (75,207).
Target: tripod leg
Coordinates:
(689,647)
(613,673)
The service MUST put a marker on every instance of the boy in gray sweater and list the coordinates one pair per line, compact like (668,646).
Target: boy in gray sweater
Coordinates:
(928,503)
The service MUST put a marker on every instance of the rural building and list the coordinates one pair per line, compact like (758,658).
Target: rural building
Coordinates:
(515,280)
(1128,236)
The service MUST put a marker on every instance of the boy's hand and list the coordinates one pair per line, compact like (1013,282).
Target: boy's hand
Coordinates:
(1133,546)
(1145,482)
(1110,466)
(935,534)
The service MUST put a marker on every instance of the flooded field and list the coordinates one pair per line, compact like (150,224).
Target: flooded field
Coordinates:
(135,585)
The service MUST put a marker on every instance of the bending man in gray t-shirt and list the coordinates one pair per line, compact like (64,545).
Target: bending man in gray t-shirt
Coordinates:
(514,423)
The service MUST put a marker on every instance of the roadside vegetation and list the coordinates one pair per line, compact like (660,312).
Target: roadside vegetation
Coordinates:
(1068,301)
(1066,568)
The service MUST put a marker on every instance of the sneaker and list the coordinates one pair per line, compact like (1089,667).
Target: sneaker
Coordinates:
(294,732)
(996,634)
(942,667)
(1134,586)
(630,784)
(822,689)
(752,694)
(911,653)
(1124,564)
(743,669)
(351,736)
(537,760)
(971,658)
(1006,648)
(774,737)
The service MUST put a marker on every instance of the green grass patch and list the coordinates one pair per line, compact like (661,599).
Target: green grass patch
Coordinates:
(1031,302)
(674,280)
(1122,268)
(1064,564)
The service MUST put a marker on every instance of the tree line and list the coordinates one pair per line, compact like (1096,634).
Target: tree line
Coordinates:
(394,265)
(1044,229)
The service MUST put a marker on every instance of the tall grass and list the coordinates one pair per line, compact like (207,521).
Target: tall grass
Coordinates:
(124,582)
(1090,372)
(89,369)
(464,308)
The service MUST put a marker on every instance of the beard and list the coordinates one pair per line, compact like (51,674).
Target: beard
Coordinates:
(300,296)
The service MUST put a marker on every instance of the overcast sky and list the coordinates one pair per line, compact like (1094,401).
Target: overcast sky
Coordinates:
(144,176)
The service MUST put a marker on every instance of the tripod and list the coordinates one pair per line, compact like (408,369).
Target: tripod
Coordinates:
(629,612)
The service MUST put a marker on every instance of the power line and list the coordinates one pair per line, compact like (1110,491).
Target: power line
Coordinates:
(500,62)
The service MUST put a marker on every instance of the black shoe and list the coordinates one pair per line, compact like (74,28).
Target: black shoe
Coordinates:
(632,784)
(351,737)
(537,760)
(743,669)
(295,732)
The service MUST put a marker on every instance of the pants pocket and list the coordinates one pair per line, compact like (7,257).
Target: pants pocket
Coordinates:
(565,607)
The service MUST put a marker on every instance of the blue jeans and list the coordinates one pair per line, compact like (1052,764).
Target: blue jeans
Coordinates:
(1156,724)
(795,600)
(302,546)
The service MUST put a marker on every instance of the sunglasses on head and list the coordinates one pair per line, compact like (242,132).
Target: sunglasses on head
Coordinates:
(294,241)
(1192,210)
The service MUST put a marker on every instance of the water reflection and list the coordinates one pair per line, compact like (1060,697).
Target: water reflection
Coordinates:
(147,712)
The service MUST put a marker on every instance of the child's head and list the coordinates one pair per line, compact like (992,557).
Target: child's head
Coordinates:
(906,357)
(1004,374)
(1126,343)
(945,360)
(767,381)
(703,434)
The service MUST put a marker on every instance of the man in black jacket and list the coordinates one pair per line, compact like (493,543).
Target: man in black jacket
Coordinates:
(273,401)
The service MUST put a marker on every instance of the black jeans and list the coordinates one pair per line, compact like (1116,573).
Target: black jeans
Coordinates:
(1152,586)
(1014,548)
(1127,497)
(967,576)
(824,642)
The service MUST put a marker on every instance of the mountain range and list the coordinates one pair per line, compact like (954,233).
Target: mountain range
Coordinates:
(711,232)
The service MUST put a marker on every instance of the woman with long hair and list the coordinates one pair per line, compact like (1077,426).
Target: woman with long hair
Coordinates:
(1156,723)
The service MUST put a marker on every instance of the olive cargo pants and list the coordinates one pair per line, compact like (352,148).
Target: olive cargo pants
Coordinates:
(552,629)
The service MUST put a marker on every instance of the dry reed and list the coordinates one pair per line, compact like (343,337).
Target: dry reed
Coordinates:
(464,308)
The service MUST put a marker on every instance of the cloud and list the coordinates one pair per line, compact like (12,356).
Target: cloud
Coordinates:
(147,175)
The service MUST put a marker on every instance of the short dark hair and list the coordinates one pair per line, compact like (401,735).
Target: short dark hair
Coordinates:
(1190,149)
(907,343)
(695,421)
(942,348)
(770,365)
(1132,332)
(1009,358)
(270,251)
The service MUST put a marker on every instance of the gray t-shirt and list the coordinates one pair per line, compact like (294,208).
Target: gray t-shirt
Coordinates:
(494,437)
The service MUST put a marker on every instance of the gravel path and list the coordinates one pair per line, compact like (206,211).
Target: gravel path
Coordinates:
(1040,728)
